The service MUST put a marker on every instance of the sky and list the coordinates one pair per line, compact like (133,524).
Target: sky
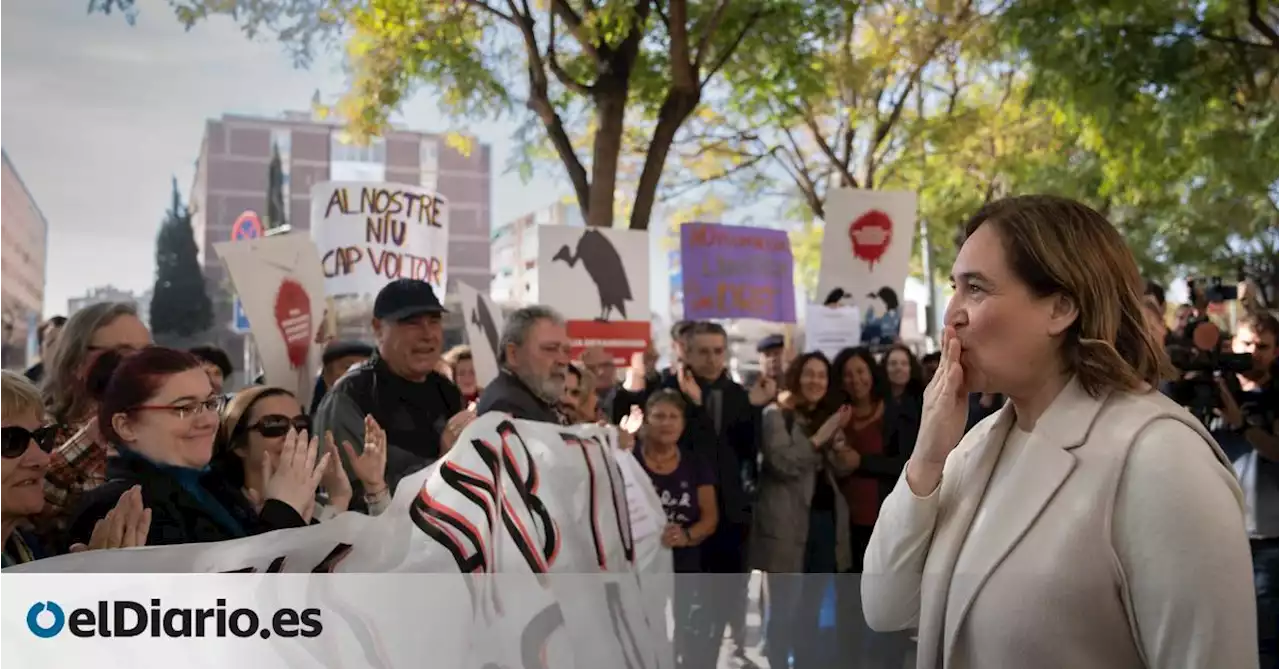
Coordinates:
(98,116)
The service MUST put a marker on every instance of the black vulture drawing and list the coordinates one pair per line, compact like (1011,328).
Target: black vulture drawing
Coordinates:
(481,317)
(605,267)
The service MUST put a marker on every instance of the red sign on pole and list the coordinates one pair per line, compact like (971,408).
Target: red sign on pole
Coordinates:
(247,226)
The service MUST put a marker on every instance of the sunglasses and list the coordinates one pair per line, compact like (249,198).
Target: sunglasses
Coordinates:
(276,425)
(17,439)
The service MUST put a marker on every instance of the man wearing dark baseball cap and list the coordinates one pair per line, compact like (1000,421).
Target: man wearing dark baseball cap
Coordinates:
(399,386)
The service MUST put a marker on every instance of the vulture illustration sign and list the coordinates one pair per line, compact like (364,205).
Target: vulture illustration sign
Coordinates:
(483,321)
(866,253)
(616,263)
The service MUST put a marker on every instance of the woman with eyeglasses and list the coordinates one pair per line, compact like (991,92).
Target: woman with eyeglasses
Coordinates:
(251,439)
(24,459)
(159,412)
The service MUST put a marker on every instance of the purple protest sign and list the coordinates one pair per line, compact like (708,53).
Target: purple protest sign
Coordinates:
(734,271)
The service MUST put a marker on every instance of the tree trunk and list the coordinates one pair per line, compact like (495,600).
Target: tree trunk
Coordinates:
(611,112)
(675,111)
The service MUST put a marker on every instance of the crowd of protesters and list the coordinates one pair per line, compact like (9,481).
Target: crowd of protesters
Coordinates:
(123,444)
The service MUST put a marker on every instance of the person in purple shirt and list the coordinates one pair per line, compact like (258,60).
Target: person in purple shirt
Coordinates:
(686,486)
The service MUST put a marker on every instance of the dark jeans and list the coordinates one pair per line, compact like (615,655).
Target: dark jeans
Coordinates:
(795,600)
(1265,579)
(692,643)
(724,590)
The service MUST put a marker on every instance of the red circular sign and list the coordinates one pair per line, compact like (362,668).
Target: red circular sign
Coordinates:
(870,235)
(293,317)
(247,226)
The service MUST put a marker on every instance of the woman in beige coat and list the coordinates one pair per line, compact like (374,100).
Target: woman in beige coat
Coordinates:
(801,522)
(1091,522)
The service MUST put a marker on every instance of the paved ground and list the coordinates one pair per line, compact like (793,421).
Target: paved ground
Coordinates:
(755,636)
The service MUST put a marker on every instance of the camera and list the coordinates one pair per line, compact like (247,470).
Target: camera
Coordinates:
(1197,352)
(1212,291)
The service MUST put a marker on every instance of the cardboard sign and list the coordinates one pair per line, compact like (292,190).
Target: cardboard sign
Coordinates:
(281,289)
(866,251)
(734,271)
(484,321)
(831,329)
(372,233)
(598,279)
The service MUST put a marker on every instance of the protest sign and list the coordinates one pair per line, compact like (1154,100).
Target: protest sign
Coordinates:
(831,329)
(866,251)
(734,271)
(514,550)
(598,279)
(372,233)
(281,289)
(483,320)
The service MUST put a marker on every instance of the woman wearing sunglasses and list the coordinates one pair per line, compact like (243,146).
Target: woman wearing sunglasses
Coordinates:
(254,431)
(24,459)
(159,412)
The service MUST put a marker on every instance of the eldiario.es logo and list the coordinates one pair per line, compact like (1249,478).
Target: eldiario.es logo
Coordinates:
(124,618)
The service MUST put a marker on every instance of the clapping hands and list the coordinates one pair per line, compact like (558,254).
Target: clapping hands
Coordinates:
(629,427)
(125,526)
(296,476)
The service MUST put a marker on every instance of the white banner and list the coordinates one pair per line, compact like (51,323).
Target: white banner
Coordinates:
(372,233)
(530,519)
(590,274)
(483,320)
(866,251)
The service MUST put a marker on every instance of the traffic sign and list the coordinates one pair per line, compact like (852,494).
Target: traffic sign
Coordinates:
(240,320)
(247,226)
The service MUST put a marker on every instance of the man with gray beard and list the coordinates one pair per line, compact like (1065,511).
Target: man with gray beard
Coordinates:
(533,359)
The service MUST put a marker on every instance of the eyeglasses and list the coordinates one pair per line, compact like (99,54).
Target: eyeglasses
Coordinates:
(17,439)
(189,410)
(277,425)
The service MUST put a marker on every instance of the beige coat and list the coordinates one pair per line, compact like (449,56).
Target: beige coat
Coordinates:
(780,523)
(1120,545)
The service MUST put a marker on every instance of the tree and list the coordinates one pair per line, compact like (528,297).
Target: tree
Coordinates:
(1178,101)
(180,305)
(565,62)
(277,212)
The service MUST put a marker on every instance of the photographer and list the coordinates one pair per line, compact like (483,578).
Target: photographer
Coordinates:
(1249,439)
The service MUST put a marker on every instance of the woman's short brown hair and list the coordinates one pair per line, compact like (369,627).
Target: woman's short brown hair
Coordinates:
(1060,246)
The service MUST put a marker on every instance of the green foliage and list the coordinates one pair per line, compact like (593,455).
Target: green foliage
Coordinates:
(571,68)
(180,303)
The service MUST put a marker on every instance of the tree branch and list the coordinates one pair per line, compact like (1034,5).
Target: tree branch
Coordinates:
(841,167)
(704,44)
(724,56)
(480,4)
(564,77)
(1260,24)
(740,167)
(808,187)
(574,22)
(540,103)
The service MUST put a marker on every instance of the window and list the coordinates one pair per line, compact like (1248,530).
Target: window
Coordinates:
(349,161)
(282,142)
(429,162)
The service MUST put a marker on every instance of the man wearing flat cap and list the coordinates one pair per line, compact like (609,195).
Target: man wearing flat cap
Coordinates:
(399,386)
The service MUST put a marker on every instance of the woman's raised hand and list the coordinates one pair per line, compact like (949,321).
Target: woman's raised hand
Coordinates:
(297,474)
(946,411)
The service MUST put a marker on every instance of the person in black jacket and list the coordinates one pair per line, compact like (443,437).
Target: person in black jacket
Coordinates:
(420,410)
(723,427)
(533,363)
(158,410)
